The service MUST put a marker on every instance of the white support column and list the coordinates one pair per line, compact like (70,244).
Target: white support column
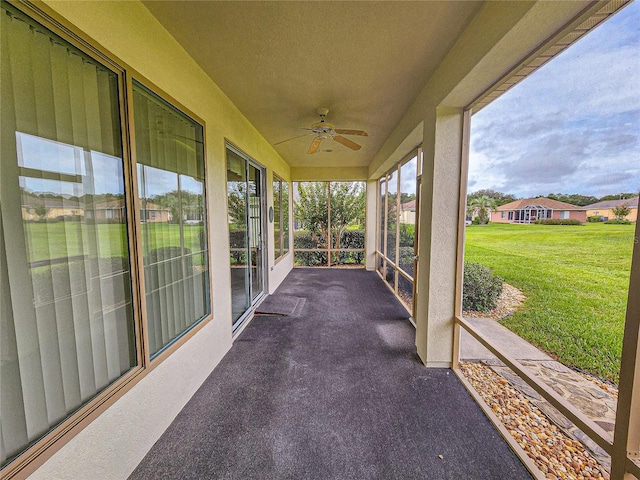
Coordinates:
(627,432)
(371,215)
(439,224)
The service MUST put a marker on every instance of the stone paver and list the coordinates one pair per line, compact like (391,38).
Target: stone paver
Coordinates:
(596,399)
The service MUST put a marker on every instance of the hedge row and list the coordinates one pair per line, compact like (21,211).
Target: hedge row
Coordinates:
(348,239)
(557,221)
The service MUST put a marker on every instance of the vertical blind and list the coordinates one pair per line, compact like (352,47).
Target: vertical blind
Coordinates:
(170,157)
(65,285)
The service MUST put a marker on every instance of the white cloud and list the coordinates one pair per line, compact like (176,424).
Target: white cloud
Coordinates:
(573,126)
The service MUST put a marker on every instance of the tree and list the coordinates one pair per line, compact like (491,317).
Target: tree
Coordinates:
(618,196)
(41,211)
(237,204)
(573,198)
(621,211)
(346,202)
(499,197)
(481,207)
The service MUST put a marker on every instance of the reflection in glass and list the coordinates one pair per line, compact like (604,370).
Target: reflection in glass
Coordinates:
(170,156)
(65,284)
(255,229)
(245,197)
(238,233)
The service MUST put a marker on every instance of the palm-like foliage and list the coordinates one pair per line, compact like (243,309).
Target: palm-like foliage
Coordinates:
(481,207)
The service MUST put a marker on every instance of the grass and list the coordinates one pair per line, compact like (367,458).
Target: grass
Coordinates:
(576,279)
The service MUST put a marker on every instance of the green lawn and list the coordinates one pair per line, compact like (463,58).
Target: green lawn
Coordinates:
(576,280)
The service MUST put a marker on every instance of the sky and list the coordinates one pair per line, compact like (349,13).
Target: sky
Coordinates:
(51,157)
(41,154)
(573,126)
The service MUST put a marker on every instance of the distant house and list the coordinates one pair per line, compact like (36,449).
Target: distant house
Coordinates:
(529,210)
(604,209)
(408,212)
(150,212)
(115,210)
(109,210)
(45,208)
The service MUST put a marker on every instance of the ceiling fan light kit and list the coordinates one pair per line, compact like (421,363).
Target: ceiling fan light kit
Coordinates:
(324,130)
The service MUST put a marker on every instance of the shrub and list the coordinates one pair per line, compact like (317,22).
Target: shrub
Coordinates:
(618,222)
(407,234)
(481,288)
(595,218)
(557,221)
(406,259)
(304,239)
(349,239)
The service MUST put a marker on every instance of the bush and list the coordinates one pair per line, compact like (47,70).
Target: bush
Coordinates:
(618,222)
(304,239)
(481,288)
(349,239)
(407,234)
(557,221)
(595,218)
(406,259)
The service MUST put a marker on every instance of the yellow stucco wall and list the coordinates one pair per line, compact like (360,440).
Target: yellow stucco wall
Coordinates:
(127,430)
(604,212)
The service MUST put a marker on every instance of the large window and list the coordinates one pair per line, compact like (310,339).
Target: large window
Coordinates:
(170,157)
(67,316)
(329,223)
(73,328)
(280,217)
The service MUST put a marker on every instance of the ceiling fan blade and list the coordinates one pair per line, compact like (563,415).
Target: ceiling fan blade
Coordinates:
(293,138)
(315,145)
(343,131)
(347,143)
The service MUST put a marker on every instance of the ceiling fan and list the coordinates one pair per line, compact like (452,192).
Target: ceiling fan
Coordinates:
(324,130)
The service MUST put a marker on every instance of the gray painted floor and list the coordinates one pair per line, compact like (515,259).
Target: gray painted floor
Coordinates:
(333,391)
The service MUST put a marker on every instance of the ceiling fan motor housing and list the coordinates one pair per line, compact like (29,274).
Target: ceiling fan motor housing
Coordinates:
(324,130)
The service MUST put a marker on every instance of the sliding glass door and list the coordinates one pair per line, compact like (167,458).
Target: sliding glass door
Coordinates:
(245,193)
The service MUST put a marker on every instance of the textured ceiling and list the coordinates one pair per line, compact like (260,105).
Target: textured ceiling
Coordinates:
(279,61)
